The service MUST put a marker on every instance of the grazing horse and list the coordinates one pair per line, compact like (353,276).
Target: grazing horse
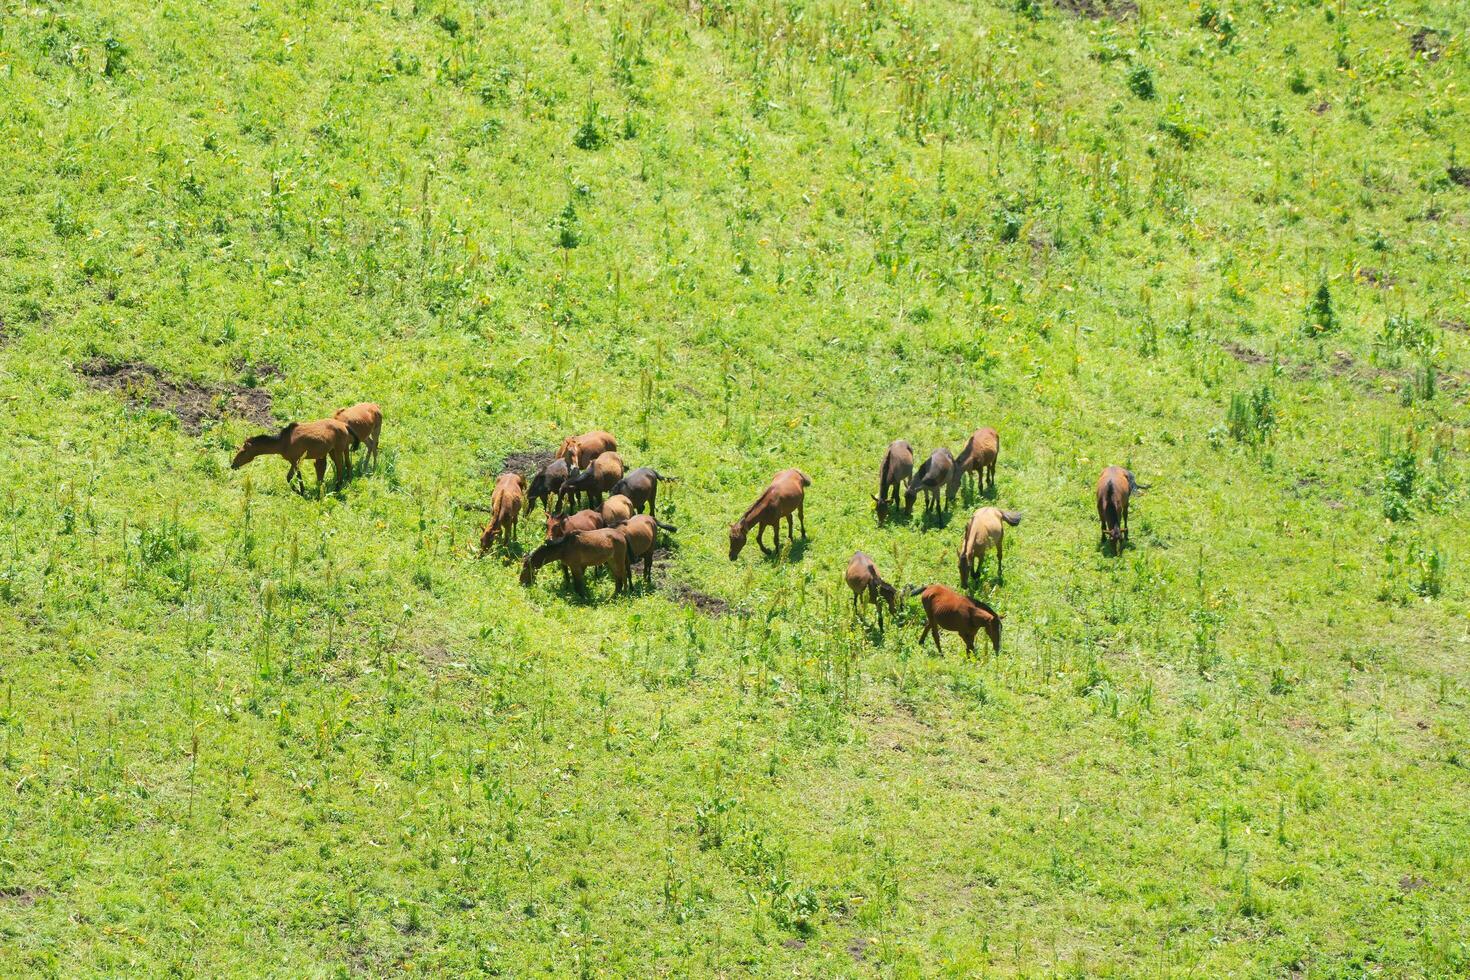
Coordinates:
(365,421)
(641,487)
(863,578)
(559,525)
(935,473)
(944,608)
(979,456)
(985,530)
(1114,488)
(616,509)
(581,450)
(317,441)
(597,479)
(898,466)
(506,503)
(786,495)
(546,484)
(580,551)
(641,532)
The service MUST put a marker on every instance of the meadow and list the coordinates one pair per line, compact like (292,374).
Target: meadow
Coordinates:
(246,732)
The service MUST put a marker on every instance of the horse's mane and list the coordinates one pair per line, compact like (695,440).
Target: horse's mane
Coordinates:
(755,506)
(987,607)
(290,426)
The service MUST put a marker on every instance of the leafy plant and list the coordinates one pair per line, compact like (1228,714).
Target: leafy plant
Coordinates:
(1141,81)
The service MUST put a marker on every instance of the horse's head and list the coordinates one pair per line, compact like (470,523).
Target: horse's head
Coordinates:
(737,540)
(880,504)
(555,524)
(910,494)
(528,570)
(568,450)
(252,448)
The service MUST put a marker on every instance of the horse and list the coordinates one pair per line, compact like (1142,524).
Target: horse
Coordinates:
(597,479)
(546,484)
(985,529)
(944,608)
(786,495)
(317,441)
(616,509)
(506,503)
(580,450)
(559,525)
(641,532)
(935,473)
(579,551)
(863,578)
(979,456)
(898,466)
(1114,487)
(641,487)
(365,421)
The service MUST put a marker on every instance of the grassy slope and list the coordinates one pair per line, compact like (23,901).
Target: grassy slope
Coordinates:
(246,731)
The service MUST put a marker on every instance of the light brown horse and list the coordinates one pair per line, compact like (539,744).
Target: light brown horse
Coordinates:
(979,456)
(641,532)
(1114,488)
(863,578)
(986,530)
(581,450)
(558,525)
(944,608)
(597,479)
(616,509)
(506,503)
(898,466)
(785,496)
(365,421)
(580,551)
(317,441)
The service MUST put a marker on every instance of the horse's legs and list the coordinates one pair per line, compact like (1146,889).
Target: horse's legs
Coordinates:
(320,464)
(801,513)
(934,629)
(760,538)
(648,567)
(790,530)
(1000,568)
(776,526)
(969,639)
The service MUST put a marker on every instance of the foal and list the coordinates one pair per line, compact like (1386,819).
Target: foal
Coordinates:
(317,441)
(862,577)
(365,421)
(898,466)
(979,456)
(505,510)
(785,496)
(580,551)
(945,608)
(985,531)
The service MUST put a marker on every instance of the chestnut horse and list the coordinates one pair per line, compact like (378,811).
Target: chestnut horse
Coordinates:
(1114,488)
(979,456)
(597,479)
(641,532)
(580,551)
(616,509)
(863,578)
(505,510)
(558,525)
(898,466)
(785,496)
(985,530)
(581,450)
(944,608)
(317,441)
(365,421)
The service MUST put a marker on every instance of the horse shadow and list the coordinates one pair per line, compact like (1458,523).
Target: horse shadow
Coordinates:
(792,552)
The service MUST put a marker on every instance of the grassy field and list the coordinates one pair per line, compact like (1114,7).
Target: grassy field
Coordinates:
(248,733)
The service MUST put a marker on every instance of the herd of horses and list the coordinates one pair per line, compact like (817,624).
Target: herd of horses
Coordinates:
(612,530)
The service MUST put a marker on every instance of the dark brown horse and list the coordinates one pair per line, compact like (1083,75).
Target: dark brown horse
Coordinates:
(641,487)
(547,484)
(944,608)
(898,466)
(863,579)
(1114,488)
(936,474)
(784,497)
(317,441)
(979,456)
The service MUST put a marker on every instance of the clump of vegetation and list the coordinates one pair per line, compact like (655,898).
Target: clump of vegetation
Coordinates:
(1141,81)
(1251,418)
(1218,22)
(1320,318)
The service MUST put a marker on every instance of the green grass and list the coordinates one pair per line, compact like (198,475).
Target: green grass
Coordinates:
(250,733)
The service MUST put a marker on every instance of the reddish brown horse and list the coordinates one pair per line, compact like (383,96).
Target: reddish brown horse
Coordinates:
(944,608)
(641,532)
(784,497)
(582,450)
(365,421)
(317,441)
(558,525)
(580,551)
(898,466)
(986,530)
(506,503)
(597,479)
(979,456)
(1114,488)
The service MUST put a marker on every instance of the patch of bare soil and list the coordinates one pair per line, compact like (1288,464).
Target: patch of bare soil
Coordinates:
(1375,277)
(1460,326)
(23,897)
(527,461)
(1321,108)
(189,401)
(1460,175)
(1343,365)
(682,592)
(1428,42)
(1412,883)
(857,948)
(1098,9)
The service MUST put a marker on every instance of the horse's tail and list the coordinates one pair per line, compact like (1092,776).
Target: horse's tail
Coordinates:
(909,591)
(806,481)
(1134,485)
(664,479)
(1011,517)
(355,441)
(664,527)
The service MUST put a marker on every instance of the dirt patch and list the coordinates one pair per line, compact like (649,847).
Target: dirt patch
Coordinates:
(682,592)
(258,370)
(189,401)
(1375,277)
(793,943)
(1098,9)
(1459,326)
(1411,883)
(1460,175)
(1321,108)
(1246,355)
(1428,42)
(857,948)
(527,462)
(1371,380)
(23,897)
